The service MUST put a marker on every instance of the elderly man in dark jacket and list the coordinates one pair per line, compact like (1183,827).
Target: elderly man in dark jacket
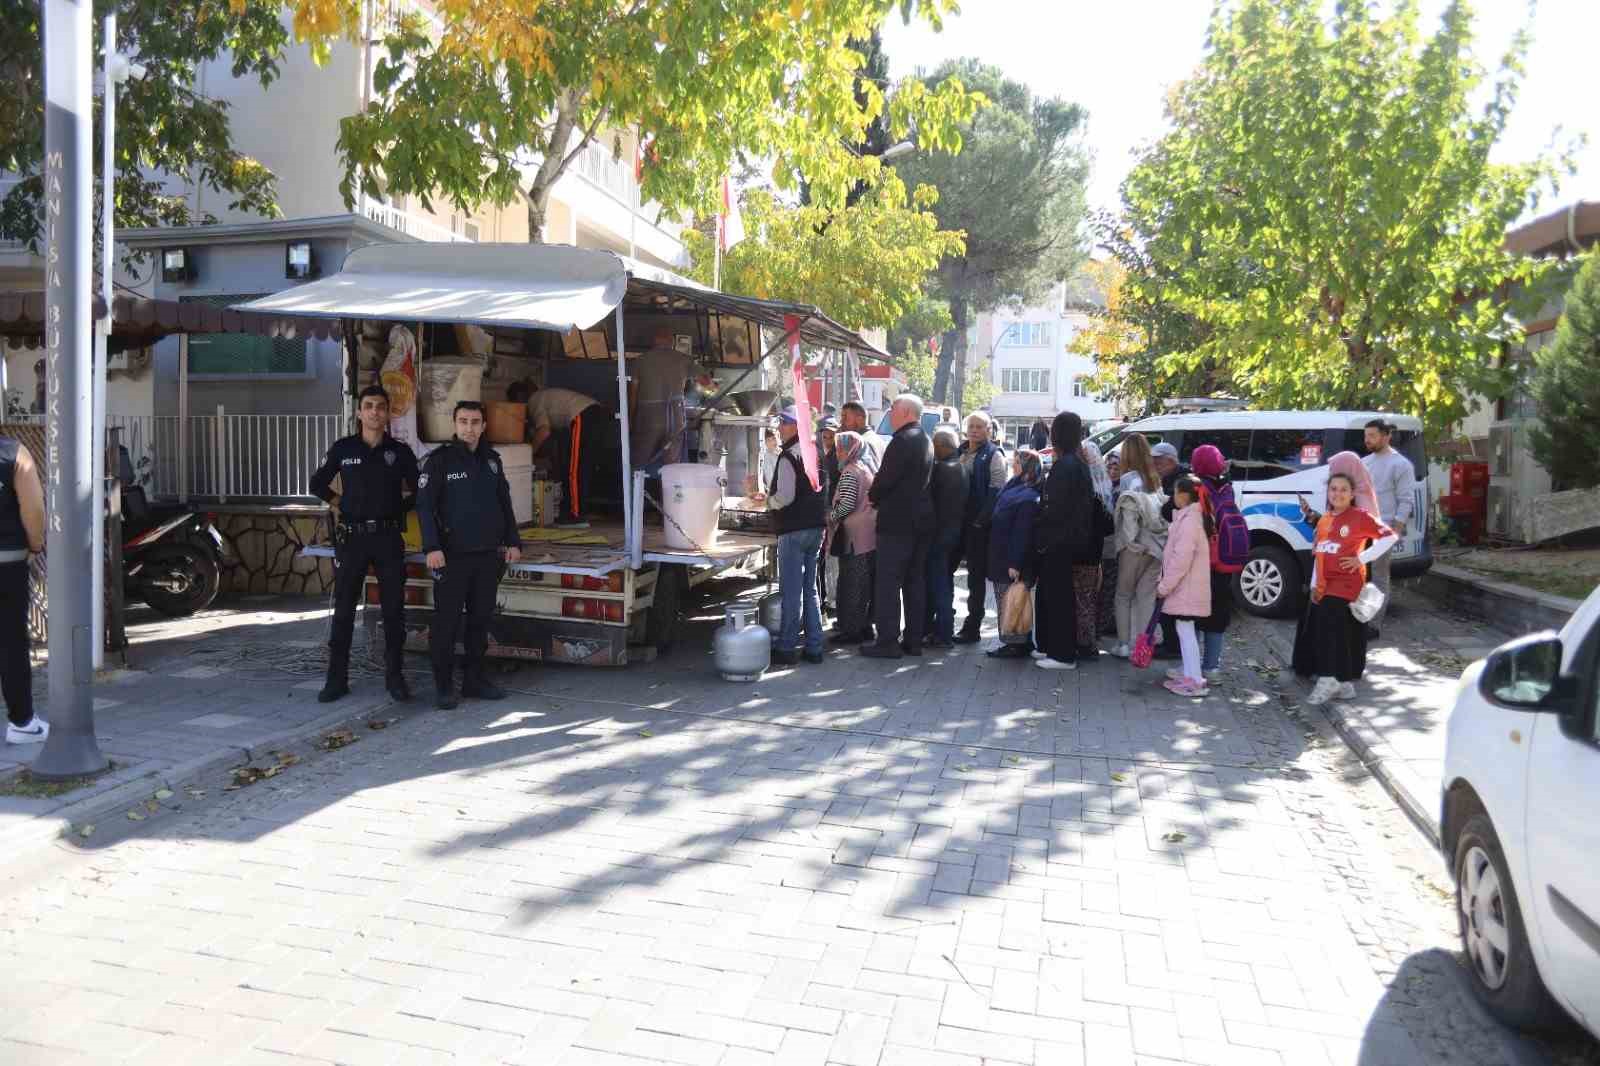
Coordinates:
(905,522)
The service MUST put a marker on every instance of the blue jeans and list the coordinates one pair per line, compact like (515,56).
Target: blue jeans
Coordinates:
(797,583)
(1213,651)
(942,583)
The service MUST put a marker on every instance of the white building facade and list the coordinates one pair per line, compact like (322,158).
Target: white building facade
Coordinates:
(1034,373)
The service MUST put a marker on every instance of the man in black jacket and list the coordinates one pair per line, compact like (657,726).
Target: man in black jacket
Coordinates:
(377,475)
(469,531)
(905,522)
(948,489)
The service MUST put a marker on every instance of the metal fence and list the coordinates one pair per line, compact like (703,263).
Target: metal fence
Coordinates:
(227,457)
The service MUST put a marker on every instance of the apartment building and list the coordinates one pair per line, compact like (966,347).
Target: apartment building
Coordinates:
(1034,372)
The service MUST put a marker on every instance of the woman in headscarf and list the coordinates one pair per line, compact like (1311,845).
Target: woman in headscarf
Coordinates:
(1070,541)
(1011,555)
(852,533)
(1211,467)
(1366,493)
(1105,487)
(828,474)
(1039,436)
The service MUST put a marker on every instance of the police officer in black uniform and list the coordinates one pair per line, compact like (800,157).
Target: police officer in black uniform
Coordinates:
(376,475)
(21,533)
(469,531)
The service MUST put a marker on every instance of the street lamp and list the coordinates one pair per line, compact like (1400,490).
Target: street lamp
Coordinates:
(896,151)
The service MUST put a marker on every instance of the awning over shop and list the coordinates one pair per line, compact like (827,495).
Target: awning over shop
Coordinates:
(532,286)
(138,321)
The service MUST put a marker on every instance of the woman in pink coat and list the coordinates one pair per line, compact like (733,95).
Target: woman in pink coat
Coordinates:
(1185,586)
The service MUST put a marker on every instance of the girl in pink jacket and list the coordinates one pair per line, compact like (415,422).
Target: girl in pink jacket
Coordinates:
(1185,586)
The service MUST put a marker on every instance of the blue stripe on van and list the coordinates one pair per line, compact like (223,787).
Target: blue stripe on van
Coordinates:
(1289,512)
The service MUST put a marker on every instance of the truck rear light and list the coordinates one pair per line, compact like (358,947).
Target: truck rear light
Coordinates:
(415,596)
(416,570)
(612,582)
(372,593)
(591,607)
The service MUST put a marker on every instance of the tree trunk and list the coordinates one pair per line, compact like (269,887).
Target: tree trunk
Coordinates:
(958,361)
(552,166)
(941,369)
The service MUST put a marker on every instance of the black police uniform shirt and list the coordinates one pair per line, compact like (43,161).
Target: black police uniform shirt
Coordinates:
(370,478)
(464,500)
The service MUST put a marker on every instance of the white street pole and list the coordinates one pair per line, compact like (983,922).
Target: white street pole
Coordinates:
(102,340)
(71,749)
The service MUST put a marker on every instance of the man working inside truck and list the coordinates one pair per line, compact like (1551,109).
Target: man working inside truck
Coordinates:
(655,402)
(574,430)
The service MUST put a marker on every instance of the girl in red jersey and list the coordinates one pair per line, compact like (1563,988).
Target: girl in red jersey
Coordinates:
(1330,644)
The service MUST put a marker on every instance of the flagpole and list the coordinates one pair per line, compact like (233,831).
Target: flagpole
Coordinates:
(716,268)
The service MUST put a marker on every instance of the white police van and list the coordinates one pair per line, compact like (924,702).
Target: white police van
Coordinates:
(1273,457)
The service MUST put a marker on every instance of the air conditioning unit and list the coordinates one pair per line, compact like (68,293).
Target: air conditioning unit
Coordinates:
(1515,478)
(1500,524)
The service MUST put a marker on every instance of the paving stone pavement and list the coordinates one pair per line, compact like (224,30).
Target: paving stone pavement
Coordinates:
(938,862)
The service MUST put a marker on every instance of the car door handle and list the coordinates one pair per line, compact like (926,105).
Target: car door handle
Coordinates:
(1572,916)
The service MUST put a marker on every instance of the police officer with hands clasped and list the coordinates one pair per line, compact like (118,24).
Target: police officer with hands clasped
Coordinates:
(377,475)
(469,531)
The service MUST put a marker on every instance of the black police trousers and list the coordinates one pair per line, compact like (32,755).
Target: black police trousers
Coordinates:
(16,671)
(385,552)
(470,580)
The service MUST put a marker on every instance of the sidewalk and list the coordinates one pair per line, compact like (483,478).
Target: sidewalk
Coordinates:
(1396,725)
(209,692)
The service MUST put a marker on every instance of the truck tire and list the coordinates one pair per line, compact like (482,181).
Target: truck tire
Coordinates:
(661,620)
(1270,585)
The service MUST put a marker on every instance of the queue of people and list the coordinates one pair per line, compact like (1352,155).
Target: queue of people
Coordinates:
(1122,547)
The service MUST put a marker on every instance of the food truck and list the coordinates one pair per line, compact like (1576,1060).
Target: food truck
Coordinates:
(436,323)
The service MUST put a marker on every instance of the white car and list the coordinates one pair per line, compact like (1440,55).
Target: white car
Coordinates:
(1520,823)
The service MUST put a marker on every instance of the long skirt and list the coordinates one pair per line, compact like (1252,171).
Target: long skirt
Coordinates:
(854,593)
(1329,642)
(1055,608)
(1106,601)
(1086,593)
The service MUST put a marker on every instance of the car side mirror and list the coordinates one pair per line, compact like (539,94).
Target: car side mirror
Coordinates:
(1525,675)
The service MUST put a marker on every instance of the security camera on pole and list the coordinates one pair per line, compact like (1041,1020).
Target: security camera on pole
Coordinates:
(71,749)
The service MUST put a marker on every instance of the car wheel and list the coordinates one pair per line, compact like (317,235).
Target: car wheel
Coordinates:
(1499,957)
(1269,584)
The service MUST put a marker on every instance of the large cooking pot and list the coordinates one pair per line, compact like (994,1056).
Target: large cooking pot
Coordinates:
(754,401)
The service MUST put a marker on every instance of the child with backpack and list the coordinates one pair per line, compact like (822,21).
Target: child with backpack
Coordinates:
(1230,549)
(1185,586)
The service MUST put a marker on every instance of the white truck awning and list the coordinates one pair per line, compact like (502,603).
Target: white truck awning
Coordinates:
(538,286)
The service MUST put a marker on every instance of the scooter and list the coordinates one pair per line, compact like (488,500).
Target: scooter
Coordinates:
(171,558)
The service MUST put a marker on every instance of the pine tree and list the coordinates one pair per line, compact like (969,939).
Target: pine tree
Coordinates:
(1566,385)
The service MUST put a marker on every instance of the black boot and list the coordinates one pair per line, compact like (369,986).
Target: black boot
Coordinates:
(399,691)
(478,687)
(444,694)
(337,684)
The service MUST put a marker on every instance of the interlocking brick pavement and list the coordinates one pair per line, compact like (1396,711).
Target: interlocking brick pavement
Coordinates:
(950,860)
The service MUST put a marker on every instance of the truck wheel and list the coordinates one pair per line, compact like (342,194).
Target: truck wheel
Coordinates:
(1270,583)
(661,620)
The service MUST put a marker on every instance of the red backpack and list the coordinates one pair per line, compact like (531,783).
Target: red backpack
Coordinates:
(1230,543)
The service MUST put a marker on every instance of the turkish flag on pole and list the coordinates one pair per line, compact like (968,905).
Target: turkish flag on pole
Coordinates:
(802,403)
(732,230)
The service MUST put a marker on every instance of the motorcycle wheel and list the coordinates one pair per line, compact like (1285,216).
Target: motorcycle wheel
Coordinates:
(179,580)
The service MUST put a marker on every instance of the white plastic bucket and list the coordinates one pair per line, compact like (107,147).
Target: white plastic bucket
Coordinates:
(691,497)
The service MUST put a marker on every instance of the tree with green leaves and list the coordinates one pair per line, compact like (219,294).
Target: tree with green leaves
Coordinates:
(1323,227)
(493,102)
(1016,189)
(1566,439)
(165,125)
(864,265)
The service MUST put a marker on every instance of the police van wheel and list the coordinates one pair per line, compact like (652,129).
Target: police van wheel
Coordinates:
(1269,584)
(661,620)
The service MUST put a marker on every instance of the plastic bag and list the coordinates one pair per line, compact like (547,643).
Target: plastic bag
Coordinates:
(1016,614)
(1144,646)
(1366,606)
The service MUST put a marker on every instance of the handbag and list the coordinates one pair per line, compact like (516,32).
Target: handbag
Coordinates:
(1016,613)
(1366,606)
(1144,646)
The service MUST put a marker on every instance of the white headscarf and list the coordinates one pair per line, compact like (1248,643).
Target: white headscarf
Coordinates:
(1097,471)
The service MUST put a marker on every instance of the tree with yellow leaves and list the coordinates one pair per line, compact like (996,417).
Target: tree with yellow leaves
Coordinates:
(493,100)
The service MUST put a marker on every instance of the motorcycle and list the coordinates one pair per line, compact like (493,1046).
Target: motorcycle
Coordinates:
(173,560)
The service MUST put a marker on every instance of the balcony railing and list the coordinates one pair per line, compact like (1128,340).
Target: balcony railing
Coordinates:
(414,225)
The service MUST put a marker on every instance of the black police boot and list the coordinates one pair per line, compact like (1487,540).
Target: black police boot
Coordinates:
(444,694)
(476,686)
(394,675)
(337,684)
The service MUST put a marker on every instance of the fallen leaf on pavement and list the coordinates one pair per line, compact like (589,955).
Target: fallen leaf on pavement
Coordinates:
(135,816)
(1174,837)
(381,723)
(163,793)
(339,738)
(963,767)
(647,733)
(1119,777)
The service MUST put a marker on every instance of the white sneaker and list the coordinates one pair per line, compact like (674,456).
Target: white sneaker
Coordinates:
(1324,690)
(1121,651)
(32,733)
(1037,654)
(1054,664)
(1347,691)
(1176,674)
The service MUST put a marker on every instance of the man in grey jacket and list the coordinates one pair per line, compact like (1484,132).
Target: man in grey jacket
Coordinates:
(1394,479)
